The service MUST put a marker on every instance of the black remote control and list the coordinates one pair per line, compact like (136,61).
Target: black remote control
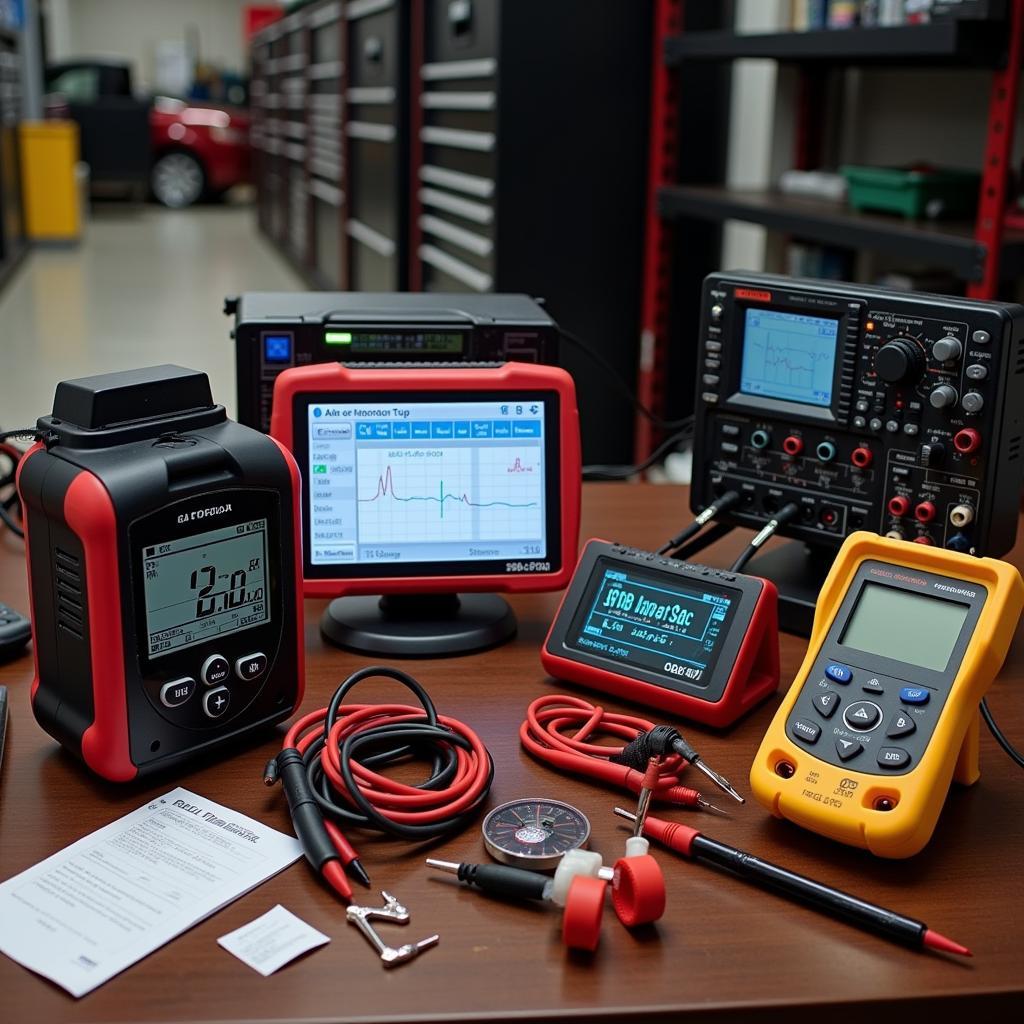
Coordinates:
(15,632)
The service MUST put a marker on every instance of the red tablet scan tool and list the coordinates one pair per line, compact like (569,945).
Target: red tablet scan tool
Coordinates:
(700,642)
(430,487)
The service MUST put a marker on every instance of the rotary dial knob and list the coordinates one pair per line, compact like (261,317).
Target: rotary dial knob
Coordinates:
(899,361)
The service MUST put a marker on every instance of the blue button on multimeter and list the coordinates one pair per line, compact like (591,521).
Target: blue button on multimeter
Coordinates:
(914,695)
(839,673)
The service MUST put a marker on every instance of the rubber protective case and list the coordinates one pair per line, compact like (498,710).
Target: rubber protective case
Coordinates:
(839,802)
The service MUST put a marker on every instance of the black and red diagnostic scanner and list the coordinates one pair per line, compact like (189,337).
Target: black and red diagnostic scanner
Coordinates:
(164,567)
(702,643)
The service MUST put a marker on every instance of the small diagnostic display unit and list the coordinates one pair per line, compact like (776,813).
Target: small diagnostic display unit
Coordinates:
(431,481)
(884,711)
(700,642)
(163,548)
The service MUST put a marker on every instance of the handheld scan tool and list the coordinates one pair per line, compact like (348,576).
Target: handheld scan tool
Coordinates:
(164,567)
(884,710)
(686,638)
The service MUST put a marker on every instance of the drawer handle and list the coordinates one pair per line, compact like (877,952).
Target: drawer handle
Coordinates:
(362,8)
(380,244)
(457,100)
(458,138)
(471,184)
(468,240)
(371,131)
(438,258)
(478,212)
(484,67)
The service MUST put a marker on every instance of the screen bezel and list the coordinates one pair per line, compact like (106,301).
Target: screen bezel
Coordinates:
(676,581)
(836,355)
(732,357)
(433,571)
(748,591)
(916,581)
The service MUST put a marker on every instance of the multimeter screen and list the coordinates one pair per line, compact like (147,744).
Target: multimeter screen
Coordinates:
(653,620)
(905,626)
(208,585)
(789,356)
(427,482)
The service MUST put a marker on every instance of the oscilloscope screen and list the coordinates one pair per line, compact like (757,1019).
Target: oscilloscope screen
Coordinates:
(414,486)
(789,356)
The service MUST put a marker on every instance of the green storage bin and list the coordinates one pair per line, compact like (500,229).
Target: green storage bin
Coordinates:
(914,192)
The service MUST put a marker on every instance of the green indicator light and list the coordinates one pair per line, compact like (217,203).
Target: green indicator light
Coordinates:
(319,468)
(338,337)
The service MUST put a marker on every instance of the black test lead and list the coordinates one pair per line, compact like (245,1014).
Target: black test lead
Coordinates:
(659,741)
(691,843)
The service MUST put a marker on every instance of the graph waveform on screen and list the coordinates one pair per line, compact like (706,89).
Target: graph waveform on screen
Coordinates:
(386,489)
(789,356)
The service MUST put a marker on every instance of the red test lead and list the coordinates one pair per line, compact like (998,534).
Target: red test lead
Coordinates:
(691,843)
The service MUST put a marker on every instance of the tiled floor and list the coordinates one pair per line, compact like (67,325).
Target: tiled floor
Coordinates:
(145,286)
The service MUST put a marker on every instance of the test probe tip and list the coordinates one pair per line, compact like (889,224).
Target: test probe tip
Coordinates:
(356,869)
(933,940)
(444,865)
(623,813)
(719,780)
(706,806)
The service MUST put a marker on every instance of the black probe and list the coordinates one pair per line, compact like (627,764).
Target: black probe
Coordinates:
(784,515)
(657,742)
(723,504)
(498,879)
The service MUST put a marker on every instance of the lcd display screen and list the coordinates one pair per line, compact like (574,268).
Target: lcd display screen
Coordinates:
(789,356)
(653,620)
(208,585)
(427,482)
(908,627)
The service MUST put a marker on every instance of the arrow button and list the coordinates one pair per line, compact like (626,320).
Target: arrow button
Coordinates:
(826,702)
(848,748)
(901,725)
(862,715)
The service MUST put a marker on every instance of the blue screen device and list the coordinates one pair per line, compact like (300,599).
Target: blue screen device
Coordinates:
(277,348)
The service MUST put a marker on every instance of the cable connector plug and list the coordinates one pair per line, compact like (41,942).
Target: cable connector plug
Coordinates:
(271,773)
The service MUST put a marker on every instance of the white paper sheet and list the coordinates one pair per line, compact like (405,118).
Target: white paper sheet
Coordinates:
(272,940)
(103,903)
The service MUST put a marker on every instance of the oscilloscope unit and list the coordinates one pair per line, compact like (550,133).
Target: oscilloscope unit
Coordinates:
(900,413)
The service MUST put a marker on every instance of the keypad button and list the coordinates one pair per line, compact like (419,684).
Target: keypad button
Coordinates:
(910,429)
(710,380)
(848,748)
(914,695)
(977,371)
(893,757)
(838,673)
(730,430)
(862,405)
(252,666)
(215,670)
(216,702)
(873,685)
(875,423)
(729,447)
(901,725)
(981,337)
(713,346)
(859,422)
(176,692)
(862,715)
(803,730)
(826,702)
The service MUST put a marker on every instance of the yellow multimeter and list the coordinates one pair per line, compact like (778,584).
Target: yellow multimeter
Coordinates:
(884,710)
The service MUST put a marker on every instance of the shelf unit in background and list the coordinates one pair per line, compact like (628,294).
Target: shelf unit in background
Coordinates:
(487,145)
(981,253)
(12,229)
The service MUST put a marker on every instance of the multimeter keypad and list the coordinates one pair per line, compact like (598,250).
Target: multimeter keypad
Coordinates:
(217,673)
(860,714)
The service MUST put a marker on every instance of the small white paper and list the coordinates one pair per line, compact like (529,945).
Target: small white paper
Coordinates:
(103,903)
(272,940)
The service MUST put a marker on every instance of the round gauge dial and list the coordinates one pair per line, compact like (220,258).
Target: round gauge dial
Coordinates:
(534,833)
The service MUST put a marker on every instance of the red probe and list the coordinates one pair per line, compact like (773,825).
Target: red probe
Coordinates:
(328,767)
(543,734)
(692,843)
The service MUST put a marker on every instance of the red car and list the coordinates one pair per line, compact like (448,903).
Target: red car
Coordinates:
(182,150)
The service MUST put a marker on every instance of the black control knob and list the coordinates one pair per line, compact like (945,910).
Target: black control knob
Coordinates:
(899,361)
